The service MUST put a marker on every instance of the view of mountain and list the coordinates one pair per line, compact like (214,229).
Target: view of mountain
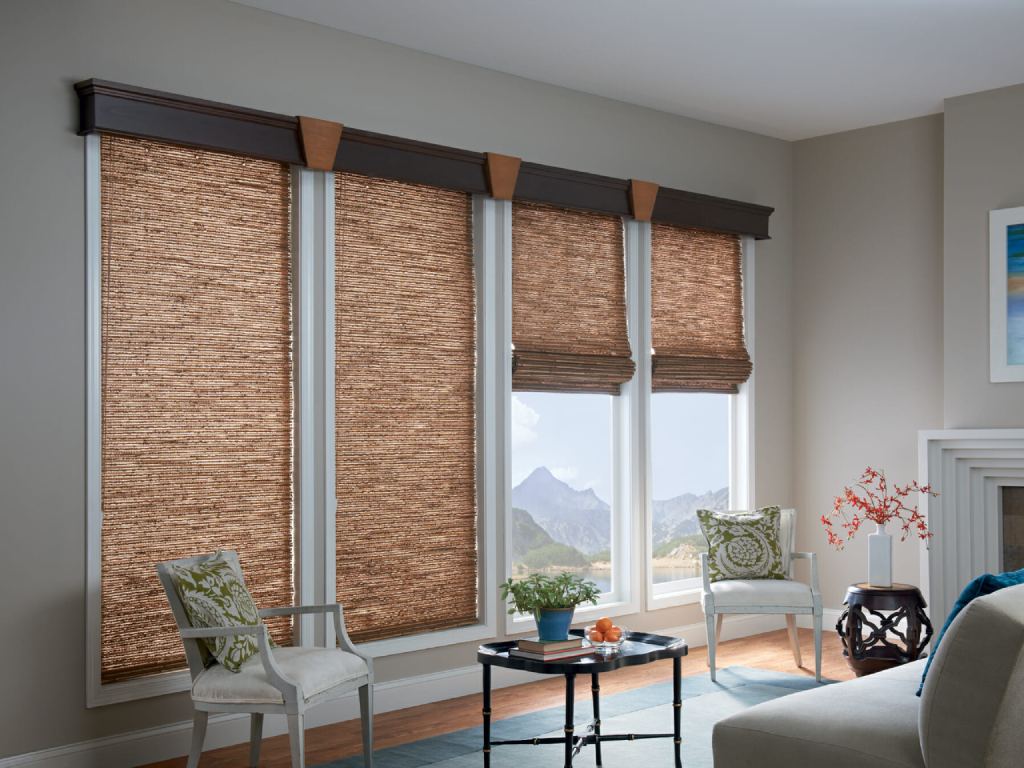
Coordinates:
(547,507)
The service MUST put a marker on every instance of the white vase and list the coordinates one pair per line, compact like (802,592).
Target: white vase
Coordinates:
(880,558)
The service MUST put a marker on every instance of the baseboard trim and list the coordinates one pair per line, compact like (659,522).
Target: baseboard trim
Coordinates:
(165,742)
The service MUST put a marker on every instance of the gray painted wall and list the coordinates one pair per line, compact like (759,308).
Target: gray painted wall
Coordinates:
(984,170)
(225,52)
(867,282)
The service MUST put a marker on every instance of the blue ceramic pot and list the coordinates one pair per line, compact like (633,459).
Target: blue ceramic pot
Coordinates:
(553,623)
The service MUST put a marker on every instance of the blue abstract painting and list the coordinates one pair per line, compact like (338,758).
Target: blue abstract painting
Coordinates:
(1015,294)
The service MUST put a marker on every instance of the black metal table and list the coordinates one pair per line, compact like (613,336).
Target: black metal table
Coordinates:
(638,648)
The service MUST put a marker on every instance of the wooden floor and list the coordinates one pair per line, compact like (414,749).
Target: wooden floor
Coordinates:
(332,742)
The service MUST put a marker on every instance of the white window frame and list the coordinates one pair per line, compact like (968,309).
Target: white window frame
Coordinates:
(314,466)
(628,457)
(741,441)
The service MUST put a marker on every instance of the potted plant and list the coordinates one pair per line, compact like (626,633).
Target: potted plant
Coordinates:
(872,499)
(551,599)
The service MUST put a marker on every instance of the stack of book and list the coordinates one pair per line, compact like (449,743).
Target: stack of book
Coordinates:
(536,649)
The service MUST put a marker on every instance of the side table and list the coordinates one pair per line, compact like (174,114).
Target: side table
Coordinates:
(870,627)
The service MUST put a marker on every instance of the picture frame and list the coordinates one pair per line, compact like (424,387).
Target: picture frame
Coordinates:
(1006,294)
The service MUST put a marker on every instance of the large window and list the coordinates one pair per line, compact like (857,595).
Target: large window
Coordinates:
(690,457)
(562,492)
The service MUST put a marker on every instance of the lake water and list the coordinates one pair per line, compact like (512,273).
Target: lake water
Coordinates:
(603,578)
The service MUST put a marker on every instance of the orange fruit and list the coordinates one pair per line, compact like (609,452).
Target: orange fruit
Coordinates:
(613,635)
(604,624)
(596,636)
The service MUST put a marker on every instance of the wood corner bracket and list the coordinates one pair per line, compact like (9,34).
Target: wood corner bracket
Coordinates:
(502,172)
(320,140)
(642,195)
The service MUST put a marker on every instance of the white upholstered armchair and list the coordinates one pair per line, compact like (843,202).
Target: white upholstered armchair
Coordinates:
(285,681)
(784,596)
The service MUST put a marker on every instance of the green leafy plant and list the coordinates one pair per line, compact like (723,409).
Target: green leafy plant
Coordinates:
(540,592)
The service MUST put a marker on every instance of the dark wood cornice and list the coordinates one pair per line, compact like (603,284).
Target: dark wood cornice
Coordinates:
(107,107)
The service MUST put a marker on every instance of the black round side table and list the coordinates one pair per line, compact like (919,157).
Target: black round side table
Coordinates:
(870,627)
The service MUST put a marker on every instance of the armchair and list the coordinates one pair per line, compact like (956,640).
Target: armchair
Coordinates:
(784,596)
(284,681)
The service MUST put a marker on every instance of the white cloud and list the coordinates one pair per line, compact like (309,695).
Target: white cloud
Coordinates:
(524,423)
(565,474)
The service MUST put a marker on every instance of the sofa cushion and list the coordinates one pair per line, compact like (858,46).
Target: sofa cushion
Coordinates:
(972,705)
(744,593)
(868,721)
(315,669)
(985,584)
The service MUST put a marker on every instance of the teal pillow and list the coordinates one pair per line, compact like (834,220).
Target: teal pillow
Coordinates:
(213,594)
(985,584)
(743,545)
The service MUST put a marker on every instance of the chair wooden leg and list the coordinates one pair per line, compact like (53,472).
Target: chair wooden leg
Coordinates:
(718,628)
(296,739)
(711,644)
(255,737)
(794,638)
(366,716)
(817,647)
(199,719)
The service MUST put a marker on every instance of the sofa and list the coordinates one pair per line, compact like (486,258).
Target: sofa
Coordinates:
(970,712)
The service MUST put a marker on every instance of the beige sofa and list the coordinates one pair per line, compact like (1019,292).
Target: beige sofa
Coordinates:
(971,712)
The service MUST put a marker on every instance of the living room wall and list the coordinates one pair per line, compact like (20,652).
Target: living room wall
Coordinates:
(867,288)
(225,52)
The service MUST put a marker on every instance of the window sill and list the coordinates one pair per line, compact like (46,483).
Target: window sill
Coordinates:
(397,645)
(518,625)
(684,596)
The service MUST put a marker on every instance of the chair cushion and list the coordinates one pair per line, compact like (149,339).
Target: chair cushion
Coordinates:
(315,669)
(761,593)
(870,721)
(213,594)
(743,545)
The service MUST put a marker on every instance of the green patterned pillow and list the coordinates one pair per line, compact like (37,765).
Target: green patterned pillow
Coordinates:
(213,594)
(743,545)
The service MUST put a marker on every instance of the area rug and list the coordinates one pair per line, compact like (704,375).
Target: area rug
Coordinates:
(642,710)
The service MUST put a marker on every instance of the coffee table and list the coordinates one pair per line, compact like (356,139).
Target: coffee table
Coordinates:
(638,648)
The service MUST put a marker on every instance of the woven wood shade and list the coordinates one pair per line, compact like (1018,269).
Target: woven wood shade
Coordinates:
(696,311)
(405,407)
(568,301)
(197,384)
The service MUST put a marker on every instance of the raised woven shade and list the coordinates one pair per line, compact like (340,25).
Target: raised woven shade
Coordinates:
(696,311)
(197,385)
(405,351)
(568,301)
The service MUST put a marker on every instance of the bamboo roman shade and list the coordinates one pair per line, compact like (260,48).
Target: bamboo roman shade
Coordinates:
(196,384)
(568,301)
(696,311)
(405,354)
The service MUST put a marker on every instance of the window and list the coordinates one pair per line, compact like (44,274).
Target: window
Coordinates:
(562,494)
(191,390)
(690,458)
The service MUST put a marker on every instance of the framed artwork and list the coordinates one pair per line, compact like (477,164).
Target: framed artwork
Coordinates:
(1006,294)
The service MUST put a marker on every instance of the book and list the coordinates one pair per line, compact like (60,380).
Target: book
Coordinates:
(536,645)
(566,655)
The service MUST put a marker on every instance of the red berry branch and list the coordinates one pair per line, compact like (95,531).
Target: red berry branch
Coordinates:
(871,499)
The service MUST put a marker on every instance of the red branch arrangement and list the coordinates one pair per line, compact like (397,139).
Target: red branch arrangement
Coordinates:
(872,499)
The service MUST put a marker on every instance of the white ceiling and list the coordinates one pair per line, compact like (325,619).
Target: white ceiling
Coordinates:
(785,68)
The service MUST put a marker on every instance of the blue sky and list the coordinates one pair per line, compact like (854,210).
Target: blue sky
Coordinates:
(570,434)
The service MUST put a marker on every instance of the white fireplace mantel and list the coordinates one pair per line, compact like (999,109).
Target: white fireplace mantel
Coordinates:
(969,468)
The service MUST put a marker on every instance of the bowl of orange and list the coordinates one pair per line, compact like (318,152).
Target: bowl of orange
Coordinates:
(605,636)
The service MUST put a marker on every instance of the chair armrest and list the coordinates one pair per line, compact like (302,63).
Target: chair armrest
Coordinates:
(291,610)
(704,573)
(335,609)
(814,567)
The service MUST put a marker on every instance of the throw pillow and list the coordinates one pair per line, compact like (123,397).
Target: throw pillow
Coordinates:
(985,584)
(214,594)
(743,545)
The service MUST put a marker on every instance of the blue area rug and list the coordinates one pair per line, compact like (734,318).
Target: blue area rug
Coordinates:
(642,710)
